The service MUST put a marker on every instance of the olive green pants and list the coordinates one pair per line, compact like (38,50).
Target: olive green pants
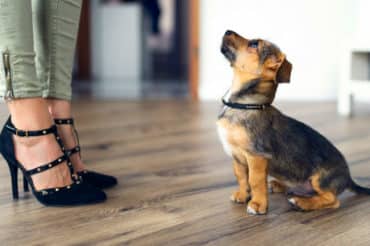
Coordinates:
(37,43)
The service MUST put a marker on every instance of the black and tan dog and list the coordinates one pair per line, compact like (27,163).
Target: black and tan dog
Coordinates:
(263,141)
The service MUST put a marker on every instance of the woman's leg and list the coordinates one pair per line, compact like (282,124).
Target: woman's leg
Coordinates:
(18,75)
(58,21)
(56,25)
(23,91)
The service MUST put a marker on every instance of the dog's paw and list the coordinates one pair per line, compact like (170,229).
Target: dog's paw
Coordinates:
(298,204)
(308,204)
(276,187)
(239,197)
(292,201)
(256,208)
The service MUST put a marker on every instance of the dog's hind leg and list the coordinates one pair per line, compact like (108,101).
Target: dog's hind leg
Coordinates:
(318,199)
(241,174)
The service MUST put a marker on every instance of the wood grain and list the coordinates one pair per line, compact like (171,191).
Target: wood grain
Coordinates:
(175,182)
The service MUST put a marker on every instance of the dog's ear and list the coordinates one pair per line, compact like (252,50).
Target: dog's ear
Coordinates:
(283,74)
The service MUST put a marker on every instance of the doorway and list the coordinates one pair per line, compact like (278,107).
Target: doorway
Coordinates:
(169,48)
(165,49)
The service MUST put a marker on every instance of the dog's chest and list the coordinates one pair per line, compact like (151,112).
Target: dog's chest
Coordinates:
(233,137)
(223,135)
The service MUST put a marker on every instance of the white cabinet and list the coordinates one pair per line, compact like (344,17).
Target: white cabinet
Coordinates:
(355,79)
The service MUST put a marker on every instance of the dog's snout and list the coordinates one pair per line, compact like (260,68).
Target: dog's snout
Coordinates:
(228,33)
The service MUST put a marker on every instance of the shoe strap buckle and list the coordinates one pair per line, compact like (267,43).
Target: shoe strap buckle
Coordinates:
(25,133)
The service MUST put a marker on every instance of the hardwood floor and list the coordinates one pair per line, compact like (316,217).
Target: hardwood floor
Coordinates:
(175,182)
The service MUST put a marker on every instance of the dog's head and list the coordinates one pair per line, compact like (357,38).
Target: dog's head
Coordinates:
(255,59)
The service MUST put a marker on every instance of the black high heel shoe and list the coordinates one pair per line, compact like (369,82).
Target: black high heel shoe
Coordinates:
(77,193)
(99,180)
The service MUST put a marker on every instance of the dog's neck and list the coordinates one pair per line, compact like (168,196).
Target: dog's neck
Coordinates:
(255,91)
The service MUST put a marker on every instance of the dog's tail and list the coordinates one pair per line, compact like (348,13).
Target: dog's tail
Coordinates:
(358,189)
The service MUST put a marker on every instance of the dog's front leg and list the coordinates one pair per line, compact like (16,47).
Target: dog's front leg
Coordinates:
(257,166)
(241,173)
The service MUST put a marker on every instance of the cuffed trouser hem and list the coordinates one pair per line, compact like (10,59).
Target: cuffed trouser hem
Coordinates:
(23,94)
(56,95)
(33,94)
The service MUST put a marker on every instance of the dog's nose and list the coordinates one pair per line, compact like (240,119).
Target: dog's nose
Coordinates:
(228,33)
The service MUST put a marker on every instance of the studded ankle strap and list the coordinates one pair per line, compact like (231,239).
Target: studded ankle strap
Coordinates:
(70,121)
(48,166)
(66,121)
(74,150)
(23,133)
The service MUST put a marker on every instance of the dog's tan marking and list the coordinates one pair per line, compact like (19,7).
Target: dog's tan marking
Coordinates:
(241,174)
(323,199)
(257,166)
(234,137)
(223,135)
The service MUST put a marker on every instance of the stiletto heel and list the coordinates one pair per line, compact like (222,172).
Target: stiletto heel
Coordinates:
(25,185)
(14,179)
(99,180)
(77,193)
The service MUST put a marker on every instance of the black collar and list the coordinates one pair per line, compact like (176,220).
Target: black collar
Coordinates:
(245,106)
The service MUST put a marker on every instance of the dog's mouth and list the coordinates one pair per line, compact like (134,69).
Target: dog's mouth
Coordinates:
(228,48)
(228,52)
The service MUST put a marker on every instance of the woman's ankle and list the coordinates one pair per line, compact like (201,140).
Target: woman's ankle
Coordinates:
(59,109)
(30,114)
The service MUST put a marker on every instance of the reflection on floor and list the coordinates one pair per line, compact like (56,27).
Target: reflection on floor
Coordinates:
(130,89)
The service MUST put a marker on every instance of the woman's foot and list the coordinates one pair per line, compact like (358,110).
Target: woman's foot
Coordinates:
(33,152)
(32,114)
(61,112)
(69,140)
(29,143)
(61,109)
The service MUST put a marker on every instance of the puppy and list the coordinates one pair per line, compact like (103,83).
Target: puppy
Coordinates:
(262,141)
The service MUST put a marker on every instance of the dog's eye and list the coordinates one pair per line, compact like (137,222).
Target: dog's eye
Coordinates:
(253,44)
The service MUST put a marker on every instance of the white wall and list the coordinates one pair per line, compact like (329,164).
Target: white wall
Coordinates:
(312,33)
(116,49)
(116,41)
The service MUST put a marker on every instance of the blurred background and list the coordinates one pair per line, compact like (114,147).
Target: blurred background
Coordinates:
(133,49)
(139,49)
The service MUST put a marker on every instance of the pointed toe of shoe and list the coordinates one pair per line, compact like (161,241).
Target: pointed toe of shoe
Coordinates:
(99,180)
